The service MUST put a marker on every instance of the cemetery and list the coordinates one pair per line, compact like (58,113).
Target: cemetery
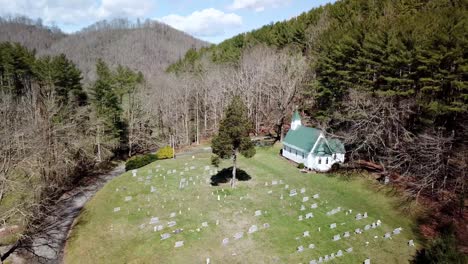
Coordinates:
(170,212)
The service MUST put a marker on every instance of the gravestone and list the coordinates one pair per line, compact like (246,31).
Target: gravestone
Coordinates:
(286,187)
(333,225)
(165,236)
(293,192)
(179,244)
(320,260)
(281,182)
(311,246)
(358,231)
(204,224)
(270,192)
(306,234)
(313,206)
(258,213)
(154,220)
(379,222)
(367,227)
(332,255)
(302,207)
(153,189)
(387,235)
(303,190)
(349,250)
(313,261)
(266,225)
(346,234)
(172,215)
(225,241)
(411,243)
(397,231)
(365,215)
(238,235)
(253,229)
(309,215)
(316,196)
(274,182)
(336,237)
(326,258)
(300,249)
(116,209)
(305,199)
(367,261)
(374,225)
(358,216)
(128,198)
(281,197)
(339,253)
(158,228)
(300,218)
(171,223)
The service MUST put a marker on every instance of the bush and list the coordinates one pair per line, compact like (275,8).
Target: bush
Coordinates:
(165,153)
(301,166)
(215,160)
(139,161)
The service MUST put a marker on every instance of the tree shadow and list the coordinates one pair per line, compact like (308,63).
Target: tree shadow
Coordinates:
(225,176)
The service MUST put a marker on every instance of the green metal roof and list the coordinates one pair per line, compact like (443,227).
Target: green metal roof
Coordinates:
(302,137)
(296,116)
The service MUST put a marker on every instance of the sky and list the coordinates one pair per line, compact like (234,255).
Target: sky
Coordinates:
(210,20)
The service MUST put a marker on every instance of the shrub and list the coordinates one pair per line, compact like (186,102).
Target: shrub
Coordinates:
(215,160)
(301,166)
(165,153)
(139,161)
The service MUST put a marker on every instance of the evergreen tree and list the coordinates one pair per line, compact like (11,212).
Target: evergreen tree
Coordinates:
(233,136)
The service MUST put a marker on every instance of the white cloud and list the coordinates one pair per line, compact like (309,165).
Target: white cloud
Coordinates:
(257,5)
(75,11)
(205,23)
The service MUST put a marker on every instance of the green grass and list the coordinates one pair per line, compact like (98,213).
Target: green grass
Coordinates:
(102,236)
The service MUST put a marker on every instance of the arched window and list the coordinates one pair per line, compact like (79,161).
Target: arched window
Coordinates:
(319,161)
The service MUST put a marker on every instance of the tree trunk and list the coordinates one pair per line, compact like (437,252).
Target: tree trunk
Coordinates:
(234,167)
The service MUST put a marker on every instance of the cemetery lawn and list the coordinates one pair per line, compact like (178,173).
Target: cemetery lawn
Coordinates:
(101,235)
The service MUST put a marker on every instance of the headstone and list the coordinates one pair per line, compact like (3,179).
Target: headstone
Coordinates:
(204,224)
(333,225)
(274,182)
(313,261)
(367,261)
(154,220)
(309,215)
(305,199)
(281,197)
(225,241)
(302,207)
(311,246)
(316,196)
(258,213)
(238,235)
(379,223)
(300,249)
(339,253)
(313,206)
(320,260)
(306,234)
(171,223)
(365,215)
(116,209)
(172,215)
(253,229)
(270,192)
(165,236)
(266,225)
(286,186)
(158,228)
(300,218)
(336,237)
(397,231)
(332,255)
(367,227)
(387,235)
(293,192)
(358,216)
(326,258)
(179,244)
(349,250)
(358,231)
(373,225)
(153,189)
(303,190)
(346,234)
(411,243)
(128,198)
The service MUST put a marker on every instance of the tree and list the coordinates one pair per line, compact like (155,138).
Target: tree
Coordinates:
(233,136)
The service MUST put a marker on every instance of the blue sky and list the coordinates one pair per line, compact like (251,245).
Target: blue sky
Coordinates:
(210,20)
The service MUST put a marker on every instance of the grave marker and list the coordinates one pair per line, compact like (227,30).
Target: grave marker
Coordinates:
(154,220)
(309,215)
(116,209)
(179,244)
(336,237)
(253,229)
(258,213)
(333,225)
(165,236)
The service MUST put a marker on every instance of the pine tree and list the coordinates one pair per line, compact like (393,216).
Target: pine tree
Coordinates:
(233,136)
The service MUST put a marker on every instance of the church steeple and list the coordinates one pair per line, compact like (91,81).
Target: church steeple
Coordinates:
(296,120)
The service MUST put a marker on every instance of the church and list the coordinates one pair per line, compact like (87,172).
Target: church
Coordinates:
(309,146)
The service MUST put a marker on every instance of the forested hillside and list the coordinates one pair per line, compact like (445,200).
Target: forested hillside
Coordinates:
(388,77)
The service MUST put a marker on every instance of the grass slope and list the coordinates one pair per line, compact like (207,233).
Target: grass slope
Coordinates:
(104,236)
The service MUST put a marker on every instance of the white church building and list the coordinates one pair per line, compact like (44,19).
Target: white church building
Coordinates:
(309,146)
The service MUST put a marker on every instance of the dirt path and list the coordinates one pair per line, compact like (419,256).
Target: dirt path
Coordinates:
(48,247)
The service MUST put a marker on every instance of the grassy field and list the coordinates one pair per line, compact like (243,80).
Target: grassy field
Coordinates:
(126,236)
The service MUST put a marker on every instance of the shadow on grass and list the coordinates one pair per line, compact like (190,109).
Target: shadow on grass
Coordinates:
(225,176)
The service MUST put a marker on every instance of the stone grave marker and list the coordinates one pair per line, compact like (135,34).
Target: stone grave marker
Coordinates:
(333,225)
(258,213)
(303,190)
(293,192)
(266,225)
(313,206)
(320,260)
(336,237)
(165,236)
(411,243)
(300,218)
(373,225)
(253,229)
(365,215)
(116,209)
(172,215)
(367,261)
(346,234)
(332,255)
(313,261)
(339,253)
(153,189)
(349,250)
(302,207)
(397,231)
(316,196)
(300,249)
(286,186)
(379,223)
(305,199)
(238,235)
(204,224)
(179,244)
(128,198)
(154,220)
(225,241)
(309,215)
(326,258)
(171,223)
(387,235)
(358,231)
(311,246)
(274,183)
(159,227)
(359,216)
(306,234)
(367,227)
